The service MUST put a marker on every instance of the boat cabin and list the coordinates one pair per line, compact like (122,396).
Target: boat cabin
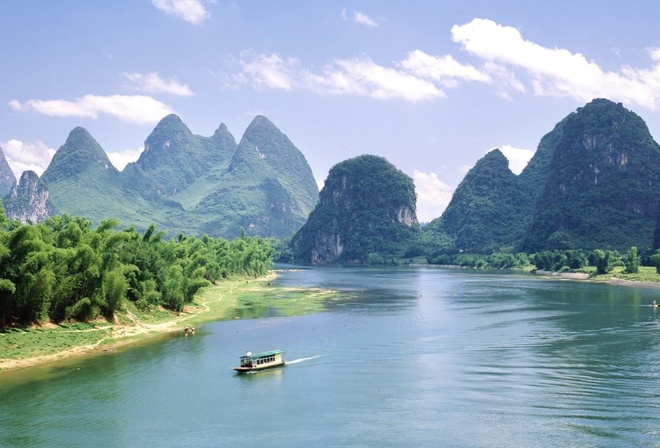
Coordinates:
(260,361)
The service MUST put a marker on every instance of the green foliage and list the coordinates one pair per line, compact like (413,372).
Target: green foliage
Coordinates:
(282,252)
(64,269)
(496,260)
(375,258)
(604,260)
(655,259)
(632,261)
(556,260)
(576,259)
(489,209)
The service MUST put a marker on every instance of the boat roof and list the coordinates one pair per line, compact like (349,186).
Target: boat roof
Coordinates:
(264,354)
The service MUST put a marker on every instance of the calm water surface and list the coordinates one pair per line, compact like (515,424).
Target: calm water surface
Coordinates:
(422,357)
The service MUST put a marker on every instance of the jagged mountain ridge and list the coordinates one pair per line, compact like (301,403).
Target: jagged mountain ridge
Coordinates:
(267,165)
(179,181)
(174,157)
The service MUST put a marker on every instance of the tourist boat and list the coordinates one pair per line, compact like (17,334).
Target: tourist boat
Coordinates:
(255,362)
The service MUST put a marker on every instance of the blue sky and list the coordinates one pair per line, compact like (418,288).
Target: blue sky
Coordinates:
(430,85)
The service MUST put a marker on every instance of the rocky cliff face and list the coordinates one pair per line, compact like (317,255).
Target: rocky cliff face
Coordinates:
(28,201)
(7,178)
(366,208)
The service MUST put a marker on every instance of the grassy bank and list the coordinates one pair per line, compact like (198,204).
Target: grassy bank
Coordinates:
(234,299)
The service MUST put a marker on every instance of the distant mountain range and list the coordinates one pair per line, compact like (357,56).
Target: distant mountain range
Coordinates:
(594,182)
(183,183)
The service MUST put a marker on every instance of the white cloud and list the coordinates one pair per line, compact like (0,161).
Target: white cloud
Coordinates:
(654,53)
(153,83)
(362,76)
(192,11)
(362,19)
(433,195)
(506,62)
(557,71)
(271,71)
(23,156)
(444,69)
(121,159)
(518,158)
(357,76)
(138,109)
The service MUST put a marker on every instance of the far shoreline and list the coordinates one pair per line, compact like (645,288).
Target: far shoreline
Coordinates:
(222,302)
(552,275)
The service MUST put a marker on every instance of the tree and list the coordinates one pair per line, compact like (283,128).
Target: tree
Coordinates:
(655,259)
(576,259)
(603,260)
(632,261)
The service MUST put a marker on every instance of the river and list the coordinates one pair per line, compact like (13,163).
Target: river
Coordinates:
(417,357)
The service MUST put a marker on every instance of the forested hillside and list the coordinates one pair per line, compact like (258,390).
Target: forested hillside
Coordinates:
(366,213)
(594,182)
(488,194)
(603,185)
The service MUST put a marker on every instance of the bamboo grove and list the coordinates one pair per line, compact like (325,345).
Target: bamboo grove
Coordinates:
(64,269)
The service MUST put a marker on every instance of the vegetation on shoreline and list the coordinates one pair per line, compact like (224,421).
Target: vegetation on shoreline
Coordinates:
(63,270)
(238,298)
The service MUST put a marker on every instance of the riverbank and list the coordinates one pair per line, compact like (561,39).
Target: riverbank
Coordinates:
(647,277)
(232,299)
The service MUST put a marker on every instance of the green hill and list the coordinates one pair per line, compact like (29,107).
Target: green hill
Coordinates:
(175,158)
(592,183)
(488,210)
(602,186)
(366,212)
(81,180)
(267,189)
(188,183)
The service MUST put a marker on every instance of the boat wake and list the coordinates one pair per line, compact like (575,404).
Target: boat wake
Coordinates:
(296,361)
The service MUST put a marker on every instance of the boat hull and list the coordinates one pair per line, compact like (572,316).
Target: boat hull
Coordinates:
(259,368)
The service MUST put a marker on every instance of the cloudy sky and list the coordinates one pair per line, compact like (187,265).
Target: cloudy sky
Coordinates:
(430,85)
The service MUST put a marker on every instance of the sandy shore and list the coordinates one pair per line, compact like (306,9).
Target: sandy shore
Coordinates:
(120,335)
(620,281)
(114,335)
(566,275)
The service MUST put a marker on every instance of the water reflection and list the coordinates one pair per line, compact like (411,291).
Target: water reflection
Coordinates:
(416,357)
